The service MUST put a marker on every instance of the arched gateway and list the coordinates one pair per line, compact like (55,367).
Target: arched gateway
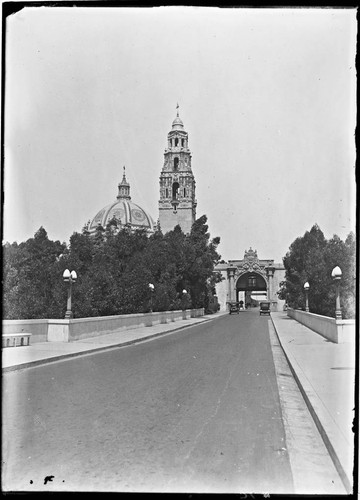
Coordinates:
(250,280)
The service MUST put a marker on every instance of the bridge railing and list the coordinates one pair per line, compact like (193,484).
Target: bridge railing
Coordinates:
(68,330)
(335,330)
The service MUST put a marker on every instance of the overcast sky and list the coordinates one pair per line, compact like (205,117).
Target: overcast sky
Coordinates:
(267,97)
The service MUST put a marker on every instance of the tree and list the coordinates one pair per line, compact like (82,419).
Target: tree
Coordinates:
(30,277)
(11,280)
(342,253)
(201,258)
(114,268)
(311,258)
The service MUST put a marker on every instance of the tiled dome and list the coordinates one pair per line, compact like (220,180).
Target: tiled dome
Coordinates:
(124,210)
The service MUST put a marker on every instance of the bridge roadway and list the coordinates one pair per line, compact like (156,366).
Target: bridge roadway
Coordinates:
(197,410)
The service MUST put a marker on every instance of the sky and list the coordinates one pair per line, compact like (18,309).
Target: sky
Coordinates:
(267,97)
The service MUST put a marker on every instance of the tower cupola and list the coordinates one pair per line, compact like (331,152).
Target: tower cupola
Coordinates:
(177,124)
(124,188)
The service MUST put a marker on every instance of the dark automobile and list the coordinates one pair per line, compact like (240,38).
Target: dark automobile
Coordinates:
(234,307)
(265,307)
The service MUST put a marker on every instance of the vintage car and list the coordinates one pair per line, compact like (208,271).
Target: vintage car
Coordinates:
(265,307)
(234,307)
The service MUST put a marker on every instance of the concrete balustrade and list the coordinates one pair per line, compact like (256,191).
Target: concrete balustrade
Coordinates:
(16,339)
(335,330)
(68,330)
(37,327)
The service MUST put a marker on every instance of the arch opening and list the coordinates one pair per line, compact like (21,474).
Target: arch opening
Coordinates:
(175,190)
(251,288)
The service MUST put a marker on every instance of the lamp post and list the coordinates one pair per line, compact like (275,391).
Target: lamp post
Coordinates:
(184,300)
(184,303)
(69,277)
(151,288)
(306,288)
(336,276)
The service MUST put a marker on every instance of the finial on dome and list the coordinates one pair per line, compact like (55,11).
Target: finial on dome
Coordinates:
(124,188)
(177,109)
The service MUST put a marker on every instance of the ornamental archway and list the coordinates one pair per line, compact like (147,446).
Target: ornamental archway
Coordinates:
(250,276)
(251,286)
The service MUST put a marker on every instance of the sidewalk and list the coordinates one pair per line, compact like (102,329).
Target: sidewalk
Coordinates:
(16,358)
(325,374)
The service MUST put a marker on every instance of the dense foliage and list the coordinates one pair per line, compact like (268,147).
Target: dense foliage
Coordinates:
(114,270)
(311,258)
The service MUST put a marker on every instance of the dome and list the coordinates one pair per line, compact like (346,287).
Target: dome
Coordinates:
(177,124)
(124,210)
(127,212)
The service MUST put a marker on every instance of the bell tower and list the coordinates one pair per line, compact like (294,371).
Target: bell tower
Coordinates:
(177,203)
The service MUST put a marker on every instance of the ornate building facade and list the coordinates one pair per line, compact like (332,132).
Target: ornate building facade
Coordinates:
(249,278)
(177,203)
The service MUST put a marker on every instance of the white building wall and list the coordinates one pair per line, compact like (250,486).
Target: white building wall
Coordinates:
(279,276)
(222,291)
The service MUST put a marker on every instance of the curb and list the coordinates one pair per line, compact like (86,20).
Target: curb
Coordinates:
(334,457)
(54,359)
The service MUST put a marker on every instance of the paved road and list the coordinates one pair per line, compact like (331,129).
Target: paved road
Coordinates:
(197,411)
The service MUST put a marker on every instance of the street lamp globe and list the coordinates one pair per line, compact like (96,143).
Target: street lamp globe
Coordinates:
(306,286)
(184,291)
(336,273)
(66,275)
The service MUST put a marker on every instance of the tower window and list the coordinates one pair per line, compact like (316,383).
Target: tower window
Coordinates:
(183,142)
(184,192)
(166,193)
(175,190)
(176,141)
(176,163)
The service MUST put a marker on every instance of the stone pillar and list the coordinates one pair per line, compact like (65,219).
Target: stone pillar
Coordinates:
(270,274)
(231,274)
